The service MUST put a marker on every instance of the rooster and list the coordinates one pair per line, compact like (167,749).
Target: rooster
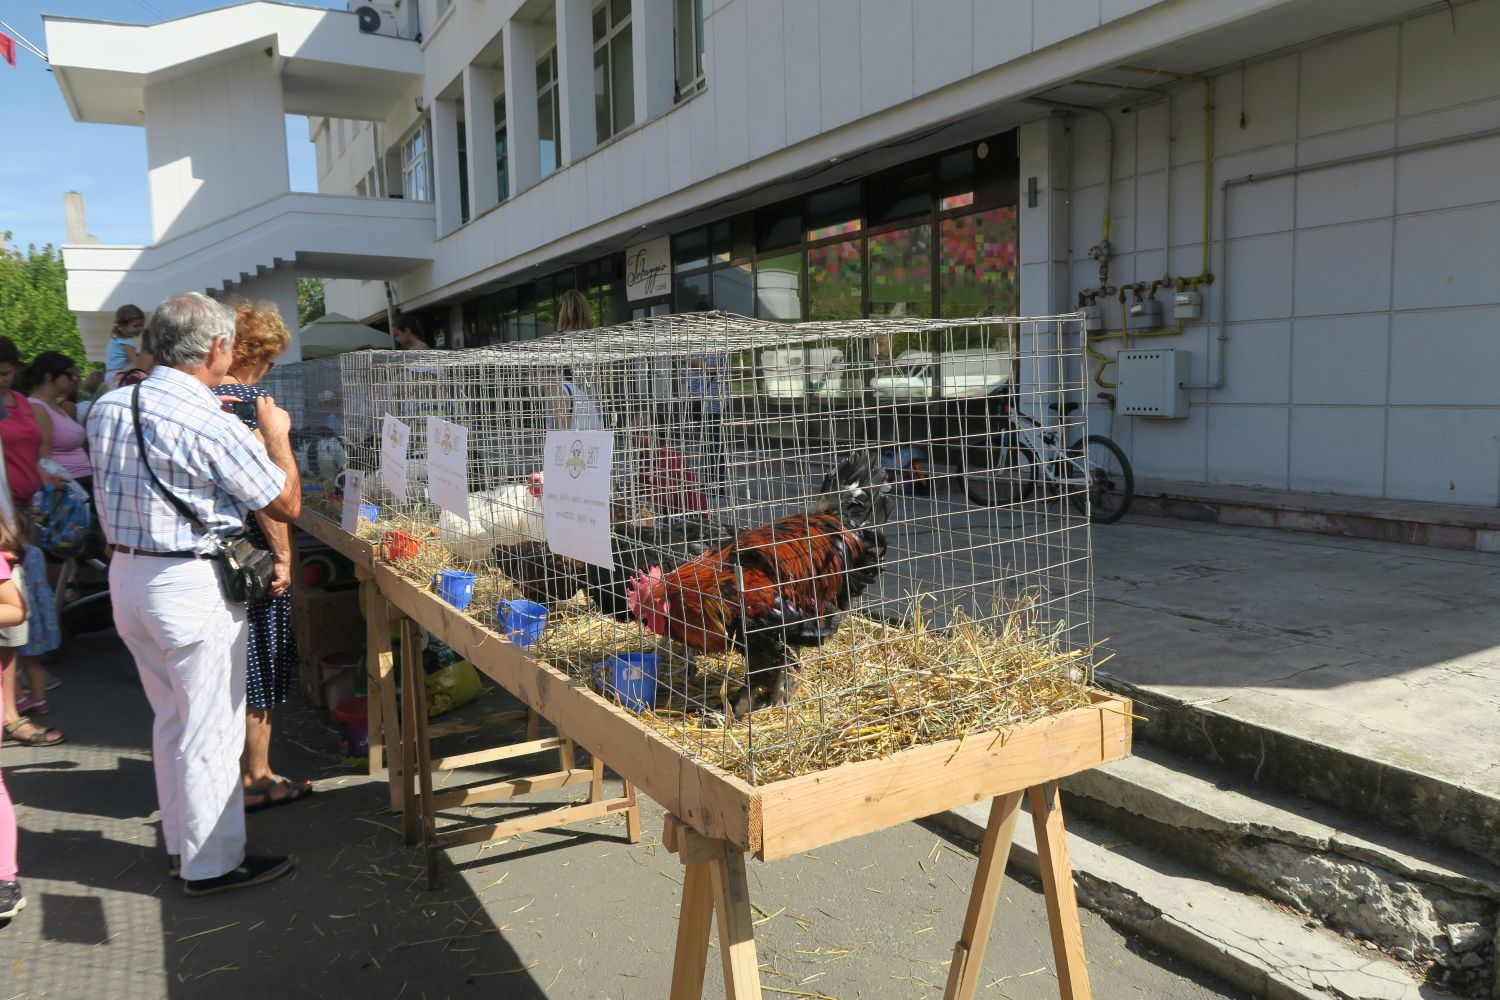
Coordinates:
(507,516)
(787,583)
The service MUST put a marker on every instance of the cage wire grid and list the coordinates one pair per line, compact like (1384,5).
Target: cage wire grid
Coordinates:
(834,538)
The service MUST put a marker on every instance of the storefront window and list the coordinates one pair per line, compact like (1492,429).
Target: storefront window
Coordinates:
(733,289)
(835,281)
(778,287)
(978,266)
(690,292)
(901,272)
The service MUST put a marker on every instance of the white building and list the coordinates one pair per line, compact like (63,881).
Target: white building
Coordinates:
(812,158)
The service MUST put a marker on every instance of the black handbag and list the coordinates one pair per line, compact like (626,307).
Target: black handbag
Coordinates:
(245,570)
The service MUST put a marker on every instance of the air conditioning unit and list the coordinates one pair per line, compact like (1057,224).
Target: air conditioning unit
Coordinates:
(375,18)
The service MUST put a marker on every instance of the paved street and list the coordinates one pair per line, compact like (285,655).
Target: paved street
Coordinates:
(575,914)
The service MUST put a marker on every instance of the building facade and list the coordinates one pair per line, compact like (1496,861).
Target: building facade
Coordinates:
(1299,196)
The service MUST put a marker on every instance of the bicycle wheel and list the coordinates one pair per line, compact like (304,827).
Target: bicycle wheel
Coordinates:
(1111,480)
(1003,475)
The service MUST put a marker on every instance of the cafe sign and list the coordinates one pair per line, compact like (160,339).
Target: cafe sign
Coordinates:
(648,269)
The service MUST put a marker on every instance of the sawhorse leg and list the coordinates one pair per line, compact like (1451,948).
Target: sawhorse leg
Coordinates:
(714,886)
(380,686)
(1057,884)
(420,813)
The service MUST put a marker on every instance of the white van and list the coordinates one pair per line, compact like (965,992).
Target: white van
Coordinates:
(796,372)
(961,374)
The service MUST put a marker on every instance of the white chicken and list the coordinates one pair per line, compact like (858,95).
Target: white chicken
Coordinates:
(510,515)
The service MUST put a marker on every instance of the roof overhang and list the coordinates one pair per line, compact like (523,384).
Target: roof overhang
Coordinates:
(327,65)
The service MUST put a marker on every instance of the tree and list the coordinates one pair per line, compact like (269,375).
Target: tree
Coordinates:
(309,300)
(34,301)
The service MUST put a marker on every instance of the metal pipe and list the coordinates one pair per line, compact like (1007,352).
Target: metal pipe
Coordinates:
(1233,182)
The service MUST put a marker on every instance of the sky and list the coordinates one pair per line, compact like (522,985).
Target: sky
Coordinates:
(50,153)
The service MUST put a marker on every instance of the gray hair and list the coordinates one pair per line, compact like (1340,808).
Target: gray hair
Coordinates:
(182,330)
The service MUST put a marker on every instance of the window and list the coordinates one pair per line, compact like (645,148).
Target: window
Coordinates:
(416,171)
(901,272)
(778,287)
(835,280)
(548,113)
(687,29)
(614,79)
(979,264)
(502,168)
(711,268)
(463,172)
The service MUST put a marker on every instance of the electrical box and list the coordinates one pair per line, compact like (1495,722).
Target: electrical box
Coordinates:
(1150,383)
(1144,315)
(1187,305)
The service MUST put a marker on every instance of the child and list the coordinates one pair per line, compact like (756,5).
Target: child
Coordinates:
(12,617)
(121,354)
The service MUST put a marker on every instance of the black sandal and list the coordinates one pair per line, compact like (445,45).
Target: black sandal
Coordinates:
(295,792)
(43,737)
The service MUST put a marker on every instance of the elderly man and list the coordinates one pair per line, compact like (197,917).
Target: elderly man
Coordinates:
(187,639)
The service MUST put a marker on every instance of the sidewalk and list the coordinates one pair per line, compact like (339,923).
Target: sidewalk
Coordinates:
(1385,655)
(575,914)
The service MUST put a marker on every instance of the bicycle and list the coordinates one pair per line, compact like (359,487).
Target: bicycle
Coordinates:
(1092,471)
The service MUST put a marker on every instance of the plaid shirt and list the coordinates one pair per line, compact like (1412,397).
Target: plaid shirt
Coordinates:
(203,455)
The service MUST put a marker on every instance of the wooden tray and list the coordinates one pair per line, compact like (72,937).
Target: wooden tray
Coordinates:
(798,814)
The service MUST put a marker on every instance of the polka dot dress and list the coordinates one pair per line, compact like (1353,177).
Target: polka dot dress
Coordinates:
(272,656)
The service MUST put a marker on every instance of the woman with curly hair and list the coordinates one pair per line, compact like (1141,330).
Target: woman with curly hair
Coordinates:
(259,336)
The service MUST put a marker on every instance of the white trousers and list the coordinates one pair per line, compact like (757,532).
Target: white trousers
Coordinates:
(189,646)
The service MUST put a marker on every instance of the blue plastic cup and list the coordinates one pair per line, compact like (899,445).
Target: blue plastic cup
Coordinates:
(454,586)
(630,677)
(523,621)
(369,512)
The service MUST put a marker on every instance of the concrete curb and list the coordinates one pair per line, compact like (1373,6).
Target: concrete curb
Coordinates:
(1238,937)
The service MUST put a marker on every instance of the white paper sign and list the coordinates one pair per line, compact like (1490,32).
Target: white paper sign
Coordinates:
(575,497)
(394,434)
(448,465)
(354,484)
(648,269)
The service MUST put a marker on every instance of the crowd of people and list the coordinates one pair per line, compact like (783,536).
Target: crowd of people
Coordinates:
(176,450)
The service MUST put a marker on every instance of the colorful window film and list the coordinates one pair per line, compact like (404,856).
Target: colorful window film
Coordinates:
(953,201)
(901,272)
(837,229)
(978,264)
(835,280)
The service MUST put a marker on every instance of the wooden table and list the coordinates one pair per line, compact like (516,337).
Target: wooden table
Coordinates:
(715,818)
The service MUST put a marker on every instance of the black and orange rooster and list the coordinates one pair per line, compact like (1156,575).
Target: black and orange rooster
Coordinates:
(787,583)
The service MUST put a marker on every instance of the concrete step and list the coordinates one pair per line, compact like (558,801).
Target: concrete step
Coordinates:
(1448,526)
(1431,808)
(1423,906)
(1266,950)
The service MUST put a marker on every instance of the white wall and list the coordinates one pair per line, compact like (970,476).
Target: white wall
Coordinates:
(215,143)
(1364,300)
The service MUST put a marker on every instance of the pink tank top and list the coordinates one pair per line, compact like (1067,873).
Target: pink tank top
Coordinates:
(68,439)
(22,440)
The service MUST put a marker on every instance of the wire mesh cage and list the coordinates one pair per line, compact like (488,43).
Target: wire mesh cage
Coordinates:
(788,546)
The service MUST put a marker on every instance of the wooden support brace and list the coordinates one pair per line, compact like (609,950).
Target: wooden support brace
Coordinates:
(461,760)
(1057,885)
(500,790)
(384,720)
(716,871)
(968,954)
(525,824)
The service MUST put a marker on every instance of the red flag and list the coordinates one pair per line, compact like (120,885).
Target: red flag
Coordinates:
(8,49)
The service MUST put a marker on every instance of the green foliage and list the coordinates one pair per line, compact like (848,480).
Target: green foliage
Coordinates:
(309,300)
(34,301)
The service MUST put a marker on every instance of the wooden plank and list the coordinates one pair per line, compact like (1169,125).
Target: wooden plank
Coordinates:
(968,954)
(410,808)
(331,534)
(507,752)
(494,791)
(633,816)
(693,926)
(804,813)
(713,801)
(1057,886)
(525,824)
(736,925)
(415,693)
